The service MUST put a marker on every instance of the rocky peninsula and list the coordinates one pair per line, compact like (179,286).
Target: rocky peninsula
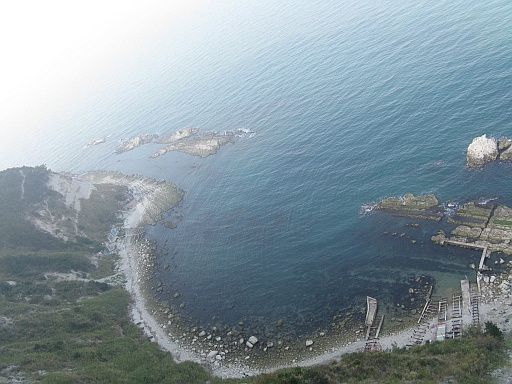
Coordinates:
(483,150)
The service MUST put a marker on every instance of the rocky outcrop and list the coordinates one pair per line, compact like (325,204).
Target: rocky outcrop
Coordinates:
(481,151)
(128,145)
(485,226)
(506,155)
(421,207)
(203,146)
(177,136)
(472,215)
(504,144)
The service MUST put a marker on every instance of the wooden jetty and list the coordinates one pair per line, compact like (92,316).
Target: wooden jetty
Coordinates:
(371,310)
(376,329)
(483,248)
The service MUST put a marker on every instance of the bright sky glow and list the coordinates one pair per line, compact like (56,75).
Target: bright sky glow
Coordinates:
(53,50)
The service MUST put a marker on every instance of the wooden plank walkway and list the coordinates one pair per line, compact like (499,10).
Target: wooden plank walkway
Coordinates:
(371,310)
(377,330)
(483,248)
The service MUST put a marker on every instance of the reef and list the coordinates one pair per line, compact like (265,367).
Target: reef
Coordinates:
(203,146)
(484,225)
(137,141)
(177,136)
(415,207)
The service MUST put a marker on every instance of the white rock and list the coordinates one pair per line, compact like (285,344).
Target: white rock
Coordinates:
(212,355)
(481,151)
(309,343)
(249,344)
(492,279)
(241,341)
(202,334)
(253,340)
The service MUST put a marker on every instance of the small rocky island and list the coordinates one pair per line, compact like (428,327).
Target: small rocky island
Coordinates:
(187,140)
(202,146)
(422,207)
(483,150)
(128,145)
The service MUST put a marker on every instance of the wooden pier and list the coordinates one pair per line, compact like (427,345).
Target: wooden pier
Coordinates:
(371,312)
(483,248)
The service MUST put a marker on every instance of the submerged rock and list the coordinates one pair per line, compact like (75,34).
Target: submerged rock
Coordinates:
(481,151)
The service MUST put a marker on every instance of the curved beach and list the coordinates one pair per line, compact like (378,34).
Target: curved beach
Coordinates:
(161,325)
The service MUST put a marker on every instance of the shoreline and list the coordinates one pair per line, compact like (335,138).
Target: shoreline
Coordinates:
(137,262)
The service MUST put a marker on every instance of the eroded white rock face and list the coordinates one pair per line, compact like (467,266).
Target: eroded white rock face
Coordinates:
(481,151)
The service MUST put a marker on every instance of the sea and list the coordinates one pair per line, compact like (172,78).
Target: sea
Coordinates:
(345,104)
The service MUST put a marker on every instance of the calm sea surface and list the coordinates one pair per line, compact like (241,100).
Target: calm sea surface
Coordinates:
(350,103)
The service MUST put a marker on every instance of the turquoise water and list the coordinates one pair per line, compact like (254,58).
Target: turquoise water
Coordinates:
(350,103)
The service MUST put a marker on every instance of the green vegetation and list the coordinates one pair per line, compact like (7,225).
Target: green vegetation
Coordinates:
(21,189)
(100,211)
(466,360)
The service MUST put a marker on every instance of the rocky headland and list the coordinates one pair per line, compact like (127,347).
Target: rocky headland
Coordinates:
(103,193)
(483,150)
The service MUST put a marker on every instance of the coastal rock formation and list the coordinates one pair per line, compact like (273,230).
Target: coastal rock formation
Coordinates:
(94,142)
(128,145)
(155,196)
(506,155)
(484,225)
(203,146)
(417,207)
(504,144)
(481,151)
(177,136)
(473,215)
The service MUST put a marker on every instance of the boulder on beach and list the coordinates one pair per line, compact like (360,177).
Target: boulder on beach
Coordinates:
(481,151)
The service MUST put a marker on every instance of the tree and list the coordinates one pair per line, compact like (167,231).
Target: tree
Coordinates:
(492,329)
